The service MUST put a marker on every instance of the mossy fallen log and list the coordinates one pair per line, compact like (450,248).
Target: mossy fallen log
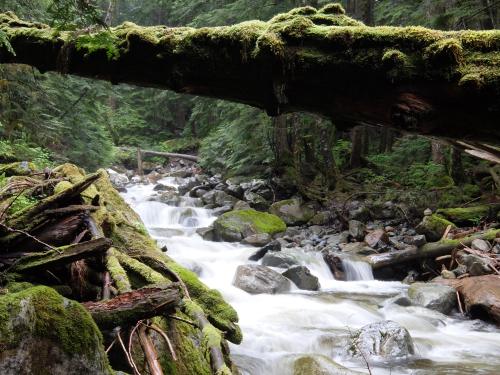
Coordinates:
(429,250)
(61,256)
(440,83)
(469,215)
(129,308)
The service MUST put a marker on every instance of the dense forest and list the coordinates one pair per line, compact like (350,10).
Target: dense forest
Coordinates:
(338,238)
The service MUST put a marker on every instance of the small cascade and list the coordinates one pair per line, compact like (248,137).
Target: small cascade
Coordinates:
(158,215)
(357,270)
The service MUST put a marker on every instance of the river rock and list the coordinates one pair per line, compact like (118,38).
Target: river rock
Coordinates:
(233,226)
(357,229)
(271,246)
(221,210)
(256,201)
(187,185)
(319,365)
(476,265)
(376,238)
(279,259)
(118,180)
(433,227)
(302,278)
(386,339)
(234,189)
(481,245)
(360,248)
(241,205)
(256,279)
(480,296)
(321,218)
(433,296)
(206,233)
(259,239)
(292,211)
(361,213)
(42,332)
(418,240)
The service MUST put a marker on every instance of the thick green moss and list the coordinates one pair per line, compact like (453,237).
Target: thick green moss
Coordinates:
(433,227)
(17,169)
(103,41)
(468,215)
(117,273)
(251,222)
(40,311)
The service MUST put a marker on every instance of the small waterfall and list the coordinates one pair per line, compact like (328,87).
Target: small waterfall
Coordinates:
(156,214)
(357,270)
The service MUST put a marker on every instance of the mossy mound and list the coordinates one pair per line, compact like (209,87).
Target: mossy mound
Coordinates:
(235,225)
(433,227)
(22,168)
(469,215)
(42,331)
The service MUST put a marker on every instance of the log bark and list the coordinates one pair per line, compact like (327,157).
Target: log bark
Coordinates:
(412,79)
(430,250)
(128,308)
(62,256)
(171,155)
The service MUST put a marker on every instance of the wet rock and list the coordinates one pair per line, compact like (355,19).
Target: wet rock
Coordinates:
(480,296)
(321,218)
(233,226)
(411,277)
(433,227)
(161,187)
(198,191)
(302,278)
(241,205)
(319,365)
(481,245)
(256,279)
(337,239)
(460,270)
(361,213)
(187,185)
(360,248)
(292,211)
(386,339)
(433,296)
(256,201)
(271,246)
(45,333)
(280,259)
(259,239)
(206,233)
(221,210)
(383,211)
(418,240)
(446,274)
(476,265)
(399,300)
(117,179)
(234,190)
(153,177)
(335,265)
(357,229)
(377,238)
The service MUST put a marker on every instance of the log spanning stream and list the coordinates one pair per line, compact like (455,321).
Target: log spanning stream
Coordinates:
(280,328)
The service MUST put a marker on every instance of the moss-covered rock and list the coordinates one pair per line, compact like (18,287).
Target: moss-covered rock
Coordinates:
(235,225)
(48,334)
(21,168)
(292,211)
(469,215)
(319,365)
(433,227)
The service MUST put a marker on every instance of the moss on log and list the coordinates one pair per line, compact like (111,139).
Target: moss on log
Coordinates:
(411,78)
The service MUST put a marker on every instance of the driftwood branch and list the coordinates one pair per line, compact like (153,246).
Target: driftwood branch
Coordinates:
(128,308)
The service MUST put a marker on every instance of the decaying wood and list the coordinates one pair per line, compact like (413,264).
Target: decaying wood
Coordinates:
(441,83)
(23,218)
(149,351)
(63,255)
(170,155)
(128,308)
(430,250)
(72,209)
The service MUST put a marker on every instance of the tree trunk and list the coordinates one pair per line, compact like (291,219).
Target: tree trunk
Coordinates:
(281,146)
(456,167)
(357,147)
(344,79)
(437,153)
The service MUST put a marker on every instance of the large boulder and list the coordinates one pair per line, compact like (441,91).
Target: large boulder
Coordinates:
(256,279)
(433,296)
(377,238)
(271,246)
(480,296)
(292,211)
(385,339)
(233,226)
(42,332)
(256,200)
(357,230)
(302,278)
(433,227)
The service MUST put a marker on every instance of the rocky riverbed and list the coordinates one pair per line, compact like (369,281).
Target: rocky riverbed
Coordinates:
(299,274)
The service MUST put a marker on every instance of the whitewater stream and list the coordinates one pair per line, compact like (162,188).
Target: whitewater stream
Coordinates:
(278,329)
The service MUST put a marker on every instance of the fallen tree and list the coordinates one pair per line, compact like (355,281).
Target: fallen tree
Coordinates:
(413,79)
(429,250)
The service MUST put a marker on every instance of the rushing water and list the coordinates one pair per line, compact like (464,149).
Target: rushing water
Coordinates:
(278,329)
